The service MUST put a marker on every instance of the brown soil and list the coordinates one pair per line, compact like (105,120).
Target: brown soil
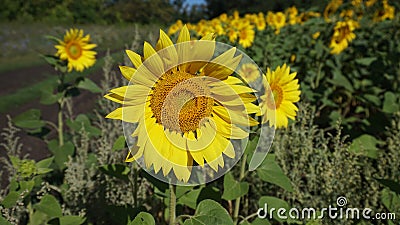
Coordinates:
(34,146)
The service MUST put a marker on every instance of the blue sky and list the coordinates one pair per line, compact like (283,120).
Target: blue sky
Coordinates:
(192,2)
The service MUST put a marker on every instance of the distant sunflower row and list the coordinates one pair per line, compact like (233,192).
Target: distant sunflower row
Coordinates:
(243,30)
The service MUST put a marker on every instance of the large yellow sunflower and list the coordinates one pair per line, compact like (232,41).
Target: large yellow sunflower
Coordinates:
(77,50)
(342,35)
(186,104)
(281,92)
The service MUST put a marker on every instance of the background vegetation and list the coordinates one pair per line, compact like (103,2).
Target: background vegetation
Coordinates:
(344,142)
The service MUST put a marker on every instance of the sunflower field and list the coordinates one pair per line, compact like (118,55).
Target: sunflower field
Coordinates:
(254,117)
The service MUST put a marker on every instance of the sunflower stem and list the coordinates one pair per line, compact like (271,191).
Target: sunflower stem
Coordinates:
(237,201)
(60,122)
(172,204)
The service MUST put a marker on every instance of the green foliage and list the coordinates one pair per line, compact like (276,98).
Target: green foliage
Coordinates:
(143,218)
(234,189)
(209,212)
(89,11)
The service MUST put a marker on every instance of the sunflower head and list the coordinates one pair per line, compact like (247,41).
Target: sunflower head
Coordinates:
(342,35)
(249,72)
(187,107)
(76,49)
(282,91)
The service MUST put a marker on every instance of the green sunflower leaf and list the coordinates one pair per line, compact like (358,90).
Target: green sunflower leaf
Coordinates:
(119,144)
(390,103)
(50,206)
(89,85)
(234,189)
(271,172)
(143,218)
(365,145)
(209,212)
(29,120)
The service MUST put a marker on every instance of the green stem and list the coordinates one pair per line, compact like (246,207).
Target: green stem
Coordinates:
(135,186)
(237,201)
(172,204)
(60,122)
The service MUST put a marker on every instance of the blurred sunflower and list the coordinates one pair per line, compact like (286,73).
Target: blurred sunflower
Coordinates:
(276,20)
(370,3)
(331,8)
(186,105)
(249,72)
(387,12)
(77,50)
(281,92)
(292,14)
(342,35)
(246,35)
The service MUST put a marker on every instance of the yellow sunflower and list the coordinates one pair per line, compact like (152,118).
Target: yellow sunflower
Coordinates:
(387,12)
(282,91)
(342,35)
(292,14)
(331,8)
(249,72)
(186,105)
(246,35)
(370,3)
(76,49)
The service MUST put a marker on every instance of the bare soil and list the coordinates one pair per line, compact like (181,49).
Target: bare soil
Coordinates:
(13,80)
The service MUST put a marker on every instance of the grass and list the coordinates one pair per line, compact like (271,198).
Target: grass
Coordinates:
(33,92)
(21,43)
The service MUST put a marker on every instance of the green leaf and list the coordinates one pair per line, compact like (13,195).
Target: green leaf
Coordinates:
(38,218)
(51,59)
(29,120)
(234,189)
(271,172)
(47,97)
(143,218)
(11,199)
(116,170)
(50,206)
(390,200)
(43,165)
(373,99)
(119,144)
(50,37)
(365,145)
(89,85)
(391,184)
(366,61)
(209,212)
(71,220)
(3,221)
(26,186)
(340,80)
(259,221)
(61,153)
(189,198)
(268,202)
(390,104)
(82,122)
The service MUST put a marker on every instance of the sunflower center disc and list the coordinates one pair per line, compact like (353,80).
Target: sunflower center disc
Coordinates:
(74,50)
(180,101)
(274,97)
